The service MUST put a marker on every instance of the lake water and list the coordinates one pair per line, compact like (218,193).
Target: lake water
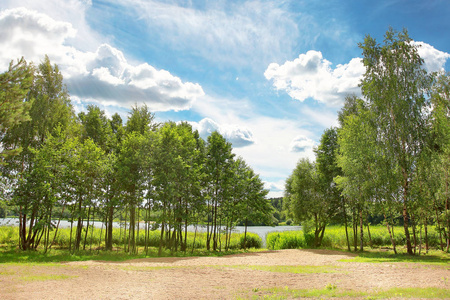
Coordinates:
(261,231)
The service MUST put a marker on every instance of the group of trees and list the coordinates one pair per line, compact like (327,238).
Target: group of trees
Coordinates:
(55,164)
(390,155)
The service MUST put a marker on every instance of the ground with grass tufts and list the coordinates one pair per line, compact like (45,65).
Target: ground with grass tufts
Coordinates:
(284,274)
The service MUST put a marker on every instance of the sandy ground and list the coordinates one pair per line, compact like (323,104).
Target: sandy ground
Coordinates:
(227,277)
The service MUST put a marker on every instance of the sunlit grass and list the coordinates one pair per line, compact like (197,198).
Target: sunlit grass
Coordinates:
(329,291)
(434,257)
(428,293)
(16,256)
(332,291)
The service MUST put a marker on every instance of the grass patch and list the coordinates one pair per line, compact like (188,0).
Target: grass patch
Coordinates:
(46,277)
(290,269)
(434,258)
(329,291)
(332,291)
(428,293)
(17,256)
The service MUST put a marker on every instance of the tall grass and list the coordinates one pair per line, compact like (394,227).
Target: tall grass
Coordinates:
(335,237)
(9,236)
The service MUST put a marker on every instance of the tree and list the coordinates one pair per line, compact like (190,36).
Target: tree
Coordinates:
(394,85)
(328,168)
(440,152)
(218,168)
(97,127)
(15,84)
(140,120)
(252,205)
(358,158)
(306,200)
(50,113)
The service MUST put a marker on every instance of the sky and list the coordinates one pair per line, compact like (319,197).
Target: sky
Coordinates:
(269,75)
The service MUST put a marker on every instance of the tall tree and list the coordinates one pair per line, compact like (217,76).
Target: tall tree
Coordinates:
(218,167)
(15,84)
(305,198)
(50,112)
(394,85)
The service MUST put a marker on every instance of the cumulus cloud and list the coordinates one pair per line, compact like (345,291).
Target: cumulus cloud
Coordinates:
(312,76)
(30,34)
(237,136)
(434,59)
(301,144)
(103,76)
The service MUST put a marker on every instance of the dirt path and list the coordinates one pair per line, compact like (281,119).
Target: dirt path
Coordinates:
(228,277)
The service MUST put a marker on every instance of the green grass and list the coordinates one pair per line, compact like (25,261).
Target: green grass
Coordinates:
(332,291)
(9,236)
(329,291)
(335,238)
(434,257)
(433,293)
(16,256)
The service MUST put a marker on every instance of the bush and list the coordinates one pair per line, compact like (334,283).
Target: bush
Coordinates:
(253,241)
(335,237)
(285,240)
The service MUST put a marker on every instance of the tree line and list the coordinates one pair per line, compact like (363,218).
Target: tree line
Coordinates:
(58,165)
(389,156)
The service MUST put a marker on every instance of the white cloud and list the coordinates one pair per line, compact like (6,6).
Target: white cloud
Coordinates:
(311,76)
(103,76)
(434,59)
(276,189)
(71,11)
(237,136)
(32,35)
(301,143)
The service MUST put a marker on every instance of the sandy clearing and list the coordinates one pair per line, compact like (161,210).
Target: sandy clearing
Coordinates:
(224,277)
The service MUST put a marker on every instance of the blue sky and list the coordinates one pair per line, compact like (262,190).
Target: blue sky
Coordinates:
(269,75)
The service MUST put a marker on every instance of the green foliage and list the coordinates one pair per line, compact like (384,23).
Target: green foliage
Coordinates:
(15,84)
(9,238)
(335,238)
(286,240)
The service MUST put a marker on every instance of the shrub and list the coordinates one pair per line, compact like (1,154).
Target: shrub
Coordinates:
(285,240)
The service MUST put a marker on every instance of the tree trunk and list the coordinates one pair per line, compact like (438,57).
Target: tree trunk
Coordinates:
(361,227)
(390,233)
(245,233)
(109,228)
(369,235)
(345,223)
(355,231)
(405,214)
(413,221)
(87,227)
(57,226)
(162,231)
(426,235)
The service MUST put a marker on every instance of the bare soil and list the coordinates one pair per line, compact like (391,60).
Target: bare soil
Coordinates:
(227,277)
